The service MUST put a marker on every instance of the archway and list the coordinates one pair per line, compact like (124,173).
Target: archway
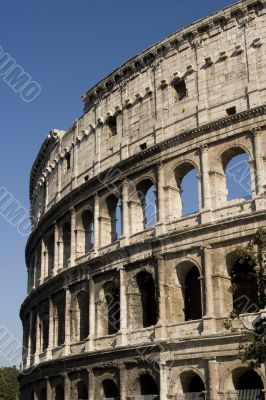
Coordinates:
(237,174)
(43,394)
(59,393)
(108,309)
(66,243)
(193,308)
(244,287)
(147,292)
(192,385)
(148,386)
(88,231)
(82,391)
(110,390)
(247,379)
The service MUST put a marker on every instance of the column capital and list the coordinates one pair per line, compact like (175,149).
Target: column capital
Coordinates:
(256,130)
(206,246)
(204,147)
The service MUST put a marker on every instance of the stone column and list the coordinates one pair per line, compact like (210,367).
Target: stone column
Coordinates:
(56,248)
(67,387)
(51,329)
(163,381)
(43,262)
(38,340)
(213,379)
(28,361)
(208,283)
(67,321)
(259,164)
(123,383)
(92,313)
(96,223)
(73,238)
(125,212)
(49,389)
(160,193)
(123,306)
(91,389)
(161,294)
(206,189)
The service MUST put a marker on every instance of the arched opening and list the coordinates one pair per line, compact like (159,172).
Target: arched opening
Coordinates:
(59,393)
(66,243)
(147,201)
(43,394)
(83,308)
(248,384)
(147,292)
(45,329)
(188,186)
(244,287)
(111,222)
(59,325)
(109,309)
(192,385)
(50,253)
(193,309)
(182,192)
(237,174)
(148,386)
(88,229)
(82,391)
(110,390)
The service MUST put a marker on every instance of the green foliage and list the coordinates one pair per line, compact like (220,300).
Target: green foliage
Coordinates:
(252,348)
(9,386)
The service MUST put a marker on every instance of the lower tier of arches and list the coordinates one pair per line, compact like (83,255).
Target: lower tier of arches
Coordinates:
(149,375)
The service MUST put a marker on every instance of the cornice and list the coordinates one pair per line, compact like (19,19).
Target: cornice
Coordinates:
(191,36)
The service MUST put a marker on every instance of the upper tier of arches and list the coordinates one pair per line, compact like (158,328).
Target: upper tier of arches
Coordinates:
(170,89)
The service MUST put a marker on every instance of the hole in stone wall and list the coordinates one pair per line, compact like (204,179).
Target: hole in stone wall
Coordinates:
(231,111)
(143,146)
(112,125)
(180,89)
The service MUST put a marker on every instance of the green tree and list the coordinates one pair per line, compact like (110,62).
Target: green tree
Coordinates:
(252,347)
(9,386)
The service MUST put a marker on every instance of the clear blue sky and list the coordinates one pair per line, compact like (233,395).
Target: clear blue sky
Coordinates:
(66,46)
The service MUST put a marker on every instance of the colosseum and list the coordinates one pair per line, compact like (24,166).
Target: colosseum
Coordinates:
(127,290)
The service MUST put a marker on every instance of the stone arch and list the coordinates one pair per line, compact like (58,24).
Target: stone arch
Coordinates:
(108,309)
(50,251)
(239,377)
(43,394)
(80,315)
(189,290)
(142,300)
(82,390)
(110,389)
(111,218)
(143,204)
(182,381)
(85,231)
(244,287)
(235,178)
(148,385)
(66,238)
(59,392)
(178,195)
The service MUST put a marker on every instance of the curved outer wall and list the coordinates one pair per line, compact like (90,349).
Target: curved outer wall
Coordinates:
(194,100)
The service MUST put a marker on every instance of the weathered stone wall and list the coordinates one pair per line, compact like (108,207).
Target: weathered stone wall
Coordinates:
(139,312)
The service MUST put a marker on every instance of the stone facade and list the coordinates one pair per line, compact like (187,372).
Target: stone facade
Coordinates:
(126,294)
